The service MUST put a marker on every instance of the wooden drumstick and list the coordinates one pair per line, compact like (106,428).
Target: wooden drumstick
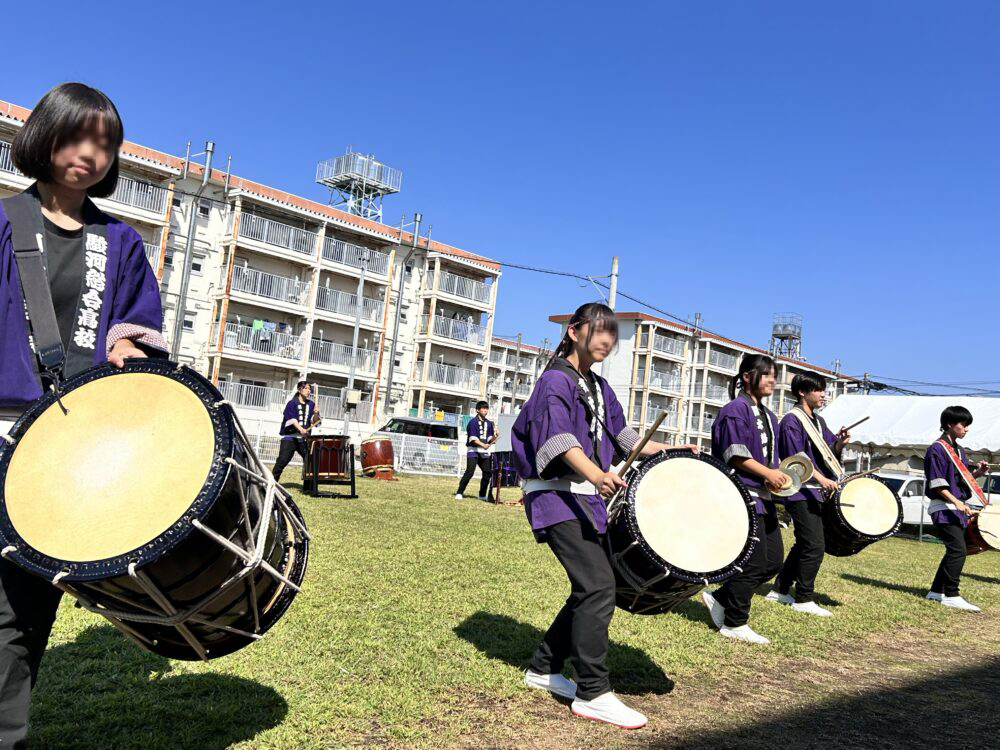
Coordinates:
(865,419)
(642,443)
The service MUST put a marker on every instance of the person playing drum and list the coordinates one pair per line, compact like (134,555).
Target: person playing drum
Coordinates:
(564,441)
(955,497)
(481,435)
(743,436)
(297,421)
(805,507)
(107,307)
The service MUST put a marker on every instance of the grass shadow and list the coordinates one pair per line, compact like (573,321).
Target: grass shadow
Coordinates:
(102,690)
(508,640)
(915,591)
(981,579)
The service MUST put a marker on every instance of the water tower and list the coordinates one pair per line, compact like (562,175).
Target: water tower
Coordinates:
(358,183)
(786,336)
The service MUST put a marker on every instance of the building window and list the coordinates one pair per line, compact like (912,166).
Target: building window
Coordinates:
(204,208)
(189,319)
(176,200)
(168,260)
(197,262)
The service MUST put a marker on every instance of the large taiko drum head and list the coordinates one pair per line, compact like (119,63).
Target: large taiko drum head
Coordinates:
(869,507)
(99,482)
(691,515)
(985,528)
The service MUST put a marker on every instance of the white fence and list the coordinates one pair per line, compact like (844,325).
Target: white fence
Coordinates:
(423,455)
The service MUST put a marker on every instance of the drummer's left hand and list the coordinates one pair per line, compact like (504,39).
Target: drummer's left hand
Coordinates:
(843,436)
(982,468)
(690,447)
(122,350)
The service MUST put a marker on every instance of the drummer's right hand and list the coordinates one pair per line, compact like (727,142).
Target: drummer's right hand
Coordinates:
(608,484)
(963,508)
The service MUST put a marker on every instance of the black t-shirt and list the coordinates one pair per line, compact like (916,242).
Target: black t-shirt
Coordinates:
(64,263)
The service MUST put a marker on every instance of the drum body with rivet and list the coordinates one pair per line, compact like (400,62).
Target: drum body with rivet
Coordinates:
(864,510)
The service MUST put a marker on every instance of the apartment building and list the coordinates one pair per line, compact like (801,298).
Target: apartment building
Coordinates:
(277,284)
(661,366)
(513,369)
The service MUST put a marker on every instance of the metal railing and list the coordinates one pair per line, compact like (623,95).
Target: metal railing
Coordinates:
(332,408)
(6,163)
(452,376)
(339,251)
(272,286)
(496,358)
(668,345)
(277,234)
(243,338)
(524,389)
(424,455)
(137,194)
(714,393)
(362,167)
(344,303)
(669,422)
(455,329)
(341,355)
(500,386)
(152,250)
(254,396)
(461,286)
(719,359)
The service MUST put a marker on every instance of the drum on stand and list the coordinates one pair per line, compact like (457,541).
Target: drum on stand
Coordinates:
(983,532)
(146,502)
(683,522)
(377,456)
(864,510)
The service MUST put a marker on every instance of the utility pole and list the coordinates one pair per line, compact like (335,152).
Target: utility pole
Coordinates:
(399,301)
(354,343)
(517,369)
(612,294)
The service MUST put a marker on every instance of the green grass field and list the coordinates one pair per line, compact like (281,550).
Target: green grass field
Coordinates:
(418,616)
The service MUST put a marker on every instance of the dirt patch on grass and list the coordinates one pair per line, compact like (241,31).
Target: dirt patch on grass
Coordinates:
(904,689)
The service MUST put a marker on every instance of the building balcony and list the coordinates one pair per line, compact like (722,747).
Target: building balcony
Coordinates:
(450,376)
(670,347)
(718,394)
(461,287)
(453,329)
(254,396)
(500,387)
(141,195)
(262,345)
(331,409)
(669,422)
(268,286)
(329,355)
(6,163)
(345,254)
(343,303)
(152,250)
(274,234)
(719,360)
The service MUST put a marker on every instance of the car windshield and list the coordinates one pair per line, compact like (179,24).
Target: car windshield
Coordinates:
(394,425)
(993,484)
(895,484)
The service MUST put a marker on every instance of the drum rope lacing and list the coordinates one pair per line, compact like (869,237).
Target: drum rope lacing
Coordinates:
(8,439)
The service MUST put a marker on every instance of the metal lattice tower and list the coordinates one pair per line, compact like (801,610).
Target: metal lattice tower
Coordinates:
(358,183)
(786,335)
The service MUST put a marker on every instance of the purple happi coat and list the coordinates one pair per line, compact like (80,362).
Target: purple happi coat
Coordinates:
(126,305)
(735,433)
(296,410)
(553,420)
(482,432)
(792,439)
(940,473)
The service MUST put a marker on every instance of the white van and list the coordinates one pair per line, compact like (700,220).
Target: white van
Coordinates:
(910,488)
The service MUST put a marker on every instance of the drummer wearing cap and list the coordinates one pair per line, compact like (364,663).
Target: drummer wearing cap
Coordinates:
(955,497)
(806,506)
(743,436)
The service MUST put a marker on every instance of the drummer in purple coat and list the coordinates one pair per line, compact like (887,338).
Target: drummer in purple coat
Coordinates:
(806,506)
(744,436)
(952,503)
(107,308)
(564,441)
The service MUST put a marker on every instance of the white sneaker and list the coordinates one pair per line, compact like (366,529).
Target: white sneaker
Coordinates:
(458,496)
(957,602)
(610,710)
(776,596)
(811,608)
(715,610)
(934,596)
(743,633)
(554,683)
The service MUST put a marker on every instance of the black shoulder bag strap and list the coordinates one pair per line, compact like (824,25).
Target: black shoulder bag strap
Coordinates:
(22,212)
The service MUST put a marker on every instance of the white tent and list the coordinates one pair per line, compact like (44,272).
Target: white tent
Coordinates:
(913,421)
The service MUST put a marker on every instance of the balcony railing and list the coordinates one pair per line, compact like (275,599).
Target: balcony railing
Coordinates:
(343,303)
(6,163)
(524,389)
(243,338)
(714,393)
(269,285)
(341,355)
(139,194)
(668,345)
(152,250)
(254,396)
(496,358)
(276,234)
(455,329)
(461,286)
(669,422)
(332,408)
(719,359)
(338,251)
(451,376)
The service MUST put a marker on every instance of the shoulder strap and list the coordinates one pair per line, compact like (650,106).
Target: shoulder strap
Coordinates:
(27,240)
(816,438)
(963,471)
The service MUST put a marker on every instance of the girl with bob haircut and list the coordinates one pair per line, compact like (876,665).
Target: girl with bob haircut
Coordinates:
(743,436)
(955,497)
(107,308)
(567,436)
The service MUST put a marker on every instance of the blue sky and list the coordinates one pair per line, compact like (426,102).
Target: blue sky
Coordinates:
(836,159)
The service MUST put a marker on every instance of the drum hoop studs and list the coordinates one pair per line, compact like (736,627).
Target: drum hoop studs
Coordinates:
(8,439)
(7,550)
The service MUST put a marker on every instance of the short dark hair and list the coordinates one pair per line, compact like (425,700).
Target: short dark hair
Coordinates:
(807,382)
(301,384)
(63,114)
(953,415)
(482,405)
(758,365)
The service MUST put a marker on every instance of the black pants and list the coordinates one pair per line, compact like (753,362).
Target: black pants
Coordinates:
(27,610)
(806,555)
(485,464)
(288,449)
(580,630)
(950,570)
(765,562)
